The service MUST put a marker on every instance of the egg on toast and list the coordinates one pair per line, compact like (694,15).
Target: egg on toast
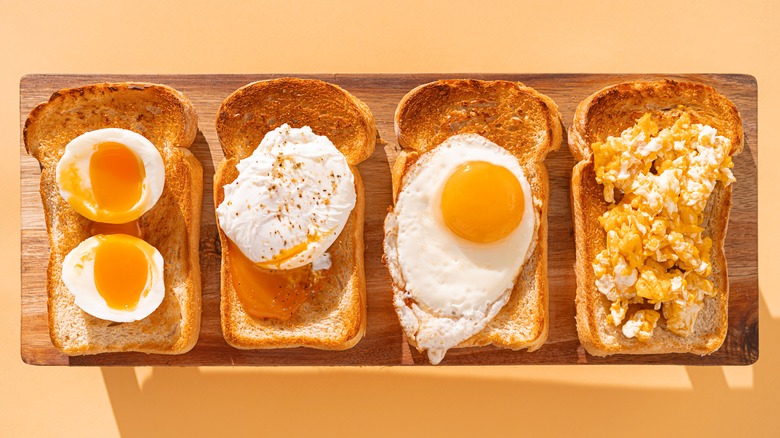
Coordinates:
(290,211)
(651,196)
(121,196)
(466,240)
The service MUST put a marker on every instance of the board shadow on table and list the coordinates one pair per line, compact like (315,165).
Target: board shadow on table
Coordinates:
(196,401)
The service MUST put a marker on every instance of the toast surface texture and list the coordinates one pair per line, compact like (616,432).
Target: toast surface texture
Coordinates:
(609,112)
(525,123)
(335,318)
(168,119)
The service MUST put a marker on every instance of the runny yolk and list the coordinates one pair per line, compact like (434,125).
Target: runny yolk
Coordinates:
(117,177)
(287,254)
(121,272)
(130,228)
(269,293)
(482,202)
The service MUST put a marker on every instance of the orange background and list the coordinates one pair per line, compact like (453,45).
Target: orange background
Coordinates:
(394,37)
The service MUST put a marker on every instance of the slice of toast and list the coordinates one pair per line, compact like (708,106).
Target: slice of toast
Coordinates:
(528,125)
(335,318)
(609,112)
(168,119)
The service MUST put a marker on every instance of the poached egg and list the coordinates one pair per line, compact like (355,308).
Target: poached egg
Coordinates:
(291,200)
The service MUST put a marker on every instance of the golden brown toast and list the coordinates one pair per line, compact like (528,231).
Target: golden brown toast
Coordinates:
(169,121)
(528,125)
(609,112)
(335,318)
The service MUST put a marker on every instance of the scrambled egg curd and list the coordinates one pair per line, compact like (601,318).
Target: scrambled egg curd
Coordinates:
(656,255)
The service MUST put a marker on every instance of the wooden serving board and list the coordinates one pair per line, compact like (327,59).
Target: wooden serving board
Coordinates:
(384,342)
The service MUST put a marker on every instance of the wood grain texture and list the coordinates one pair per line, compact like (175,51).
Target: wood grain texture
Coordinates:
(384,343)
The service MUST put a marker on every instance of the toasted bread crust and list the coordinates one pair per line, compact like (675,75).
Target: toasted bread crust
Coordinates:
(528,125)
(613,109)
(335,319)
(255,109)
(169,121)
(607,113)
(506,113)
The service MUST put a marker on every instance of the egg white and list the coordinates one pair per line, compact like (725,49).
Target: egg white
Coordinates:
(295,189)
(449,288)
(78,153)
(78,274)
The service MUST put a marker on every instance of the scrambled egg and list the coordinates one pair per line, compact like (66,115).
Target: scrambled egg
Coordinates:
(656,255)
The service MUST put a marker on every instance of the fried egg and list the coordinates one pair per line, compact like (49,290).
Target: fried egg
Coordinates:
(462,227)
(115,277)
(111,175)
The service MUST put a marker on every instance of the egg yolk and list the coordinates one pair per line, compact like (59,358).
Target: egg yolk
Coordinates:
(482,202)
(269,293)
(121,271)
(117,177)
(288,253)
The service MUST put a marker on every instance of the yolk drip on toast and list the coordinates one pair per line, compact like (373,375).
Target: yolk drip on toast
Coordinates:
(130,228)
(270,293)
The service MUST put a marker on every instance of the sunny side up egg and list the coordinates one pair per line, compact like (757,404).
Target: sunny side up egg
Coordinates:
(288,205)
(461,230)
(113,176)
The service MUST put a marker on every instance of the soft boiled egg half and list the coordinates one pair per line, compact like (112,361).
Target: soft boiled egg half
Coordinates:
(115,277)
(459,234)
(111,175)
